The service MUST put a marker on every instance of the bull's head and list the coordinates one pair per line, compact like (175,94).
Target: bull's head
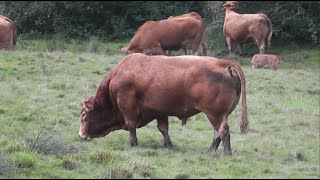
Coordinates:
(231,5)
(96,121)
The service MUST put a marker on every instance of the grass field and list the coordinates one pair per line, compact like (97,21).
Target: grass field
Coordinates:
(44,82)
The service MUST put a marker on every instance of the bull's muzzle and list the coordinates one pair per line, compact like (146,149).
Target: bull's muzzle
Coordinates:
(84,138)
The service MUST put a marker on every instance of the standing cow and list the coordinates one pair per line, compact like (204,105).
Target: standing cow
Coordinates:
(265,61)
(142,88)
(8,33)
(241,27)
(156,37)
(203,45)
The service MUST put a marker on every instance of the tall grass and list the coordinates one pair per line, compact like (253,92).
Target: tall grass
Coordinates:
(42,91)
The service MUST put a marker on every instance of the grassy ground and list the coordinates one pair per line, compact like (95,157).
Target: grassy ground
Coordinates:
(43,83)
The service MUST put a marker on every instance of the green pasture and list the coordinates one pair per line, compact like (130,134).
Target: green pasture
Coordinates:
(44,82)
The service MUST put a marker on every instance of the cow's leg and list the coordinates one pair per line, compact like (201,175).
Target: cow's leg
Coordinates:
(204,48)
(196,49)
(228,39)
(163,127)
(240,48)
(159,51)
(185,50)
(261,45)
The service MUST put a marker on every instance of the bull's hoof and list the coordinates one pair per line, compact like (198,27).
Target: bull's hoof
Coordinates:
(228,153)
(133,144)
(168,145)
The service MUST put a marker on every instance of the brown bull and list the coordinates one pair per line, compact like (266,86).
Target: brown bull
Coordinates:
(8,33)
(142,88)
(265,61)
(242,27)
(156,37)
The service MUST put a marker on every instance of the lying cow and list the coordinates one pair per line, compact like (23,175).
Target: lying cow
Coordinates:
(142,88)
(265,61)
(241,27)
(8,33)
(156,37)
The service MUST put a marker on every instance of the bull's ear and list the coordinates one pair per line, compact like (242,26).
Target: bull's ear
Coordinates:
(89,105)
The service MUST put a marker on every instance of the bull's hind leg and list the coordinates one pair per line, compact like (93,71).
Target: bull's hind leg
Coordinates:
(163,126)
(215,143)
(221,124)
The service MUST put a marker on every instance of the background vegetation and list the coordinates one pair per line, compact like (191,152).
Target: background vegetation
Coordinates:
(118,20)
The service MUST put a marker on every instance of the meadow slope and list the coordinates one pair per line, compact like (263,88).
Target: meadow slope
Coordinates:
(43,83)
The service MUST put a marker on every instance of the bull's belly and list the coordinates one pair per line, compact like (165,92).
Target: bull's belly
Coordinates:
(149,114)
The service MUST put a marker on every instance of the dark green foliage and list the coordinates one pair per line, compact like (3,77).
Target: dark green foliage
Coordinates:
(118,20)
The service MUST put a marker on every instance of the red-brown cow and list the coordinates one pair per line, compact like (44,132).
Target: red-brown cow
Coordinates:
(142,88)
(203,45)
(241,27)
(8,33)
(156,37)
(265,61)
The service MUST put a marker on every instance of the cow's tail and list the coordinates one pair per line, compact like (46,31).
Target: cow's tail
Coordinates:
(269,31)
(244,125)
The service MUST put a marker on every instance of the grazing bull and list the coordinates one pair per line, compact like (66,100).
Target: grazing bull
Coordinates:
(265,61)
(242,27)
(8,33)
(142,88)
(156,37)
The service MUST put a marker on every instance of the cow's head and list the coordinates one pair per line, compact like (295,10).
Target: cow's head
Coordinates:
(96,121)
(231,5)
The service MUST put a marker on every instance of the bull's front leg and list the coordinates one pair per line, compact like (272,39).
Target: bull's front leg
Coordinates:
(128,107)
(133,137)
(163,127)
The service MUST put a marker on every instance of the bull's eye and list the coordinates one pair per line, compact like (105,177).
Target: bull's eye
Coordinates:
(83,115)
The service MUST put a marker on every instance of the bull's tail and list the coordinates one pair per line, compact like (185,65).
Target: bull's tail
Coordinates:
(244,125)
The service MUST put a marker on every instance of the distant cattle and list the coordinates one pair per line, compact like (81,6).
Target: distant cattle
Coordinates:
(8,33)
(156,37)
(142,88)
(242,27)
(265,61)
(203,44)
